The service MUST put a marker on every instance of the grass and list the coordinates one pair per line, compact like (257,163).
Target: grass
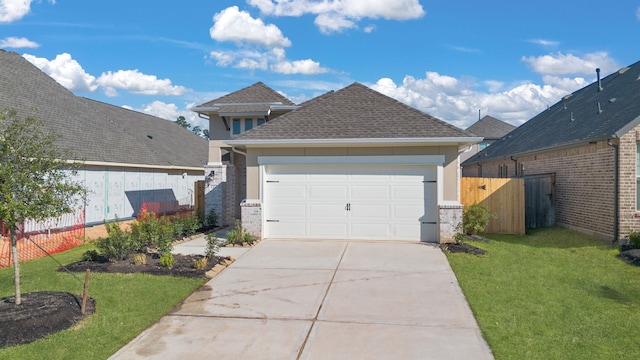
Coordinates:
(126,304)
(552,294)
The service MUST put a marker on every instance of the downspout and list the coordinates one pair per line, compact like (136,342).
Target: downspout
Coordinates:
(616,181)
(233,148)
(515,166)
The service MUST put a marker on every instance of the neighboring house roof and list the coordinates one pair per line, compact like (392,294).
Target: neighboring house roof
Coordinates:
(354,112)
(490,128)
(95,131)
(258,98)
(584,116)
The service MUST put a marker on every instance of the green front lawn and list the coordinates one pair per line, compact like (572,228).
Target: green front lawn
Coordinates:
(126,304)
(552,294)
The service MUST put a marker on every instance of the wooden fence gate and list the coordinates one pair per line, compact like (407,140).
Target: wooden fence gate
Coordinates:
(199,198)
(505,198)
(540,200)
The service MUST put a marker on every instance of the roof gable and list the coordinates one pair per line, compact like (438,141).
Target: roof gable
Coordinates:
(586,115)
(490,128)
(258,93)
(355,111)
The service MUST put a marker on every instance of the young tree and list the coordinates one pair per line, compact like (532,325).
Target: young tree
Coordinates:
(35,178)
(196,130)
(205,134)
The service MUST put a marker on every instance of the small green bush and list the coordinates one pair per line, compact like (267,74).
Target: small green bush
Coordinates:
(634,238)
(118,245)
(200,263)
(140,259)
(90,255)
(212,246)
(212,218)
(236,235)
(475,219)
(167,260)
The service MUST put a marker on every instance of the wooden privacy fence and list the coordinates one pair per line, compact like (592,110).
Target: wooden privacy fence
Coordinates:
(199,206)
(503,197)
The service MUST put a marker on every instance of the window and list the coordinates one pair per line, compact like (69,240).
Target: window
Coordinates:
(248,124)
(260,122)
(236,127)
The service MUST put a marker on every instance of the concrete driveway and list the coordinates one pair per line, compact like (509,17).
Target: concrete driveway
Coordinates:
(286,299)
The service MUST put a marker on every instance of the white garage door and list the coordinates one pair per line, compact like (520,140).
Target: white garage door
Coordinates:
(376,202)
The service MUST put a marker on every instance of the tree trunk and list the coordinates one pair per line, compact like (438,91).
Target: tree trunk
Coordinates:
(16,265)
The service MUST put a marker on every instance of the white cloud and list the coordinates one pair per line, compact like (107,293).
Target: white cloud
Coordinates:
(337,15)
(17,43)
(66,71)
(569,64)
(231,24)
(274,60)
(544,42)
(12,10)
(307,66)
(457,101)
(638,13)
(138,83)
(170,111)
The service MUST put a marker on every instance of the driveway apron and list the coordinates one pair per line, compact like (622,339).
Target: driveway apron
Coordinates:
(301,299)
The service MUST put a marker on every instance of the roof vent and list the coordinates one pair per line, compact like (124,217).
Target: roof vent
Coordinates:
(150,137)
(599,81)
(623,70)
(612,100)
(572,119)
(599,108)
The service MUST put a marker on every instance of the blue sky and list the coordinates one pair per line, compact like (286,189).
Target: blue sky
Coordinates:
(509,59)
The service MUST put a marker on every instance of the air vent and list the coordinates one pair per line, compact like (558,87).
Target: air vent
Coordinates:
(150,137)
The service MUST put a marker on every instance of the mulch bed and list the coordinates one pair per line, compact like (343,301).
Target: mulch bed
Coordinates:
(462,248)
(630,256)
(39,314)
(44,313)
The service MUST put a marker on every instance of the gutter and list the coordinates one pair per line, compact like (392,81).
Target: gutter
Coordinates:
(143,166)
(355,142)
(616,199)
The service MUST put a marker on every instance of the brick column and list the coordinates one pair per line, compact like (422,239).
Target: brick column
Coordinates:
(252,218)
(450,216)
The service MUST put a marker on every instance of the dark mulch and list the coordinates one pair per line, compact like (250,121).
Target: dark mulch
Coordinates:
(44,313)
(462,248)
(631,256)
(39,314)
(183,266)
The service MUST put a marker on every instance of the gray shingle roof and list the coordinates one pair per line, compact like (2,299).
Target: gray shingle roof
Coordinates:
(353,112)
(91,130)
(490,128)
(256,93)
(581,117)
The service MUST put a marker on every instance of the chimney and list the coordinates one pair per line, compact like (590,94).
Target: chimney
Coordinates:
(599,82)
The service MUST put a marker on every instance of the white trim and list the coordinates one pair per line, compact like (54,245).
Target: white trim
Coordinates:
(449,203)
(440,185)
(252,201)
(250,114)
(355,142)
(353,160)
(143,166)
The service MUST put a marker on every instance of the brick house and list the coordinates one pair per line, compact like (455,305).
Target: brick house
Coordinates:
(349,164)
(590,141)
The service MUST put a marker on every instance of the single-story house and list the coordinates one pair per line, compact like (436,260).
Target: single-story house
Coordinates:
(490,129)
(129,158)
(349,164)
(590,141)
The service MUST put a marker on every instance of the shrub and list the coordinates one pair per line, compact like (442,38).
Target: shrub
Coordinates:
(192,224)
(91,255)
(212,218)
(118,245)
(247,238)
(236,235)
(634,238)
(475,219)
(212,246)
(167,260)
(200,263)
(140,259)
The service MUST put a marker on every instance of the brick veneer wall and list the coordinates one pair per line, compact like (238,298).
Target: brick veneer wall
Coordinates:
(584,183)
(629,216)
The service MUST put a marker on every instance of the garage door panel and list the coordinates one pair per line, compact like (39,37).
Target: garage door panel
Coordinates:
(319,230)
(288,192)
(288,230)
(327,211)
(370,211)
(408,232)
(324,193)
(408,212)
(366,231)
(289,211)
(412,193)
(370,193)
